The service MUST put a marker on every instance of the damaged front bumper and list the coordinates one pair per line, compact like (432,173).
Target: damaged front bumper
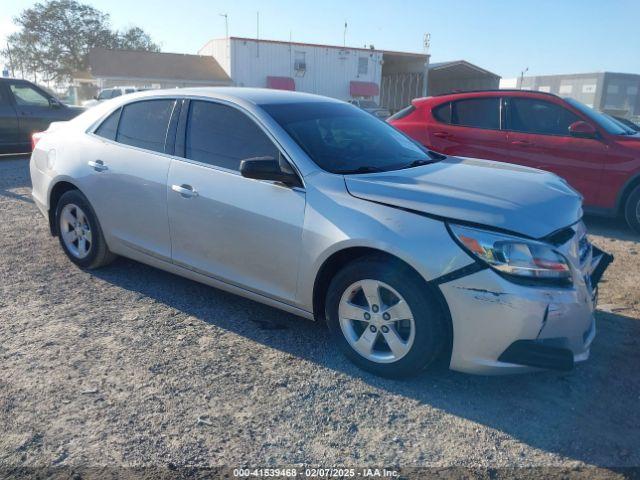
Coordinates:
(502,327)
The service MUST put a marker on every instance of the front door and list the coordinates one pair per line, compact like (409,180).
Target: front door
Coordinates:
(242,231)
(34,109)
(10,141)
(538,137)
(127,177)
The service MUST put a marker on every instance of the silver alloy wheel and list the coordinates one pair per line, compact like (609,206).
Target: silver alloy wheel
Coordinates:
(376,321)
(75,231)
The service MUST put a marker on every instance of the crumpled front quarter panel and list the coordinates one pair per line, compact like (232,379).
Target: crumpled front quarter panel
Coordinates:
(335,220)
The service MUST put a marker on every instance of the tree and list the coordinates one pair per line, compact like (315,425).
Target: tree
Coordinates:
(56,36)
(134,38)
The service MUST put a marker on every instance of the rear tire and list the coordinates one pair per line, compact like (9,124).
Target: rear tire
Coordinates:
(632,209)
(365,329)
(80,233)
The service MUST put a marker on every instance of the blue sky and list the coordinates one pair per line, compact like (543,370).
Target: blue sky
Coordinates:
(561,36)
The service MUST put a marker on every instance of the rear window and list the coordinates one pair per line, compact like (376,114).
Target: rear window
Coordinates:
(144,124)
(477,113)
(405,112)
(105,95)
(442,113)
(109,128)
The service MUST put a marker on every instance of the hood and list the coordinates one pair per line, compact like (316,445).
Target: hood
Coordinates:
(519,199)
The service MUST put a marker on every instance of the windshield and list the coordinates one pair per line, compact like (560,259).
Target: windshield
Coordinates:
(105,94)
(609,124)
(341,138)
(621,122)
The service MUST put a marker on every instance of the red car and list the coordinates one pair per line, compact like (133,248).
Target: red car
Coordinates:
(597,155)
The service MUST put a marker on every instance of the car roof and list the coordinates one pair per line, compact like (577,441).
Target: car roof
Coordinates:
(257,96)
(448,97)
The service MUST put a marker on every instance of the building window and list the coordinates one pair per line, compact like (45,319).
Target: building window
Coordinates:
(300,62)
(566,89)
(545,89)
(591,88)
(632,90)
(613,89)
(363,65)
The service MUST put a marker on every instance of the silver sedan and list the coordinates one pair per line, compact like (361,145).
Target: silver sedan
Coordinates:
(315,207)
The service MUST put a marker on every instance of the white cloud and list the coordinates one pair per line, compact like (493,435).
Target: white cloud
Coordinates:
(7,27)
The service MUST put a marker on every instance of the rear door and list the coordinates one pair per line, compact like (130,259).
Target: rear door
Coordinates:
(126,179)
(242,231)
(538,136)
(10,141)
(470,127)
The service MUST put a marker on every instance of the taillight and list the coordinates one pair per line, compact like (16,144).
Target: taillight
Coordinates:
(35,138)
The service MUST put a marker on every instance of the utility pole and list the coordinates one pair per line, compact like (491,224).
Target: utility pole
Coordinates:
(522,76)
(426,43)
(258,33)
(226,24)
(344,36)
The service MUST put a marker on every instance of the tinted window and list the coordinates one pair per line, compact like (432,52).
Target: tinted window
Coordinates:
(477,112)
(26,95)
(144,124)
(443,113)
(224,136)
(405,112)
(538,116)
(341,138)
(109,127)
(116,93)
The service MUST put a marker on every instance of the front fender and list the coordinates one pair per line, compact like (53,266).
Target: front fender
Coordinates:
(335,221)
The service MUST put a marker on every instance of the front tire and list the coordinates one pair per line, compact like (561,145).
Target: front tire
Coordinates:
(79,232)
(632,210)
(383,317)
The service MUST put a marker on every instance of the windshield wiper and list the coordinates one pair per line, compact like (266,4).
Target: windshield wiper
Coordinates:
(418,163)
(363,169)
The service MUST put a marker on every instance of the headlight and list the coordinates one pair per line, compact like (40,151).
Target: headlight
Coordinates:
(519,257)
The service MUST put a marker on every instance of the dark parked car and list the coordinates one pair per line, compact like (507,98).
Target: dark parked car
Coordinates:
(26,108)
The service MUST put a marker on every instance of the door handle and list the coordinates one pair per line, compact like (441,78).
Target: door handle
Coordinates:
(98,165)
(186,191)
(441,134)
(522,143)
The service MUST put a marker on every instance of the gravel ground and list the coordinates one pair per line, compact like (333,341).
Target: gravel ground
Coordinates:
(131,366)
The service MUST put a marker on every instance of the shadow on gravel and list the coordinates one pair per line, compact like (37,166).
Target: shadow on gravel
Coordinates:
(590,414)
(12,176)
(610,227)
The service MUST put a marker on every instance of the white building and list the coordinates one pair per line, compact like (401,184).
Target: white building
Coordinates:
(390,78)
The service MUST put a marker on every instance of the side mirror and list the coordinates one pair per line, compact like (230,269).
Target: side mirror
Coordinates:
(268,168)
(54,103)
(582,129)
